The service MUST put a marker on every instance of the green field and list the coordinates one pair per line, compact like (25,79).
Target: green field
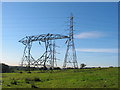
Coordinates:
(80,78)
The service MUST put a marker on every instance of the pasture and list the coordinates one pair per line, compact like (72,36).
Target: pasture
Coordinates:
(70,78)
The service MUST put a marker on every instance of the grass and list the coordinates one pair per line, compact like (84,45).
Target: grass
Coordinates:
(81,78)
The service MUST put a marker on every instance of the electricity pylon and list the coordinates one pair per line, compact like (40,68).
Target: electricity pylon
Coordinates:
(70,56)
(49,55)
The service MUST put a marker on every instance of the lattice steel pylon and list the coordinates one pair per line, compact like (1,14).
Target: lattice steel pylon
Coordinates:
(49,54)
(53,61)
(48,57)
(70,56)
(27,58)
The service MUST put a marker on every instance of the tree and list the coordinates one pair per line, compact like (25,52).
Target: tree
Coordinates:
(82,65)
(4,68)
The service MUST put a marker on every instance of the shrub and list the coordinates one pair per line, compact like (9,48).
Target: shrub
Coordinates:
(33,86)
(110,66)
(37,79)
(27,80)
(82,65)
(29,72)
(8,85)
(14,82)
(57,68)
(20,72)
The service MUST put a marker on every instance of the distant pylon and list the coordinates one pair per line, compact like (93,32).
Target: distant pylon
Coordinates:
(53,61)
(70,56)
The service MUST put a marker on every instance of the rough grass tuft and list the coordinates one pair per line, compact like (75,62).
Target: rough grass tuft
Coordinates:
(14,81)
(37,79)
(33,86)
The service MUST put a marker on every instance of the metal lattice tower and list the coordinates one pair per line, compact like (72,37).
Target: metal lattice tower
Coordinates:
(54,62)
(70,56)
(48,58)
(27,58)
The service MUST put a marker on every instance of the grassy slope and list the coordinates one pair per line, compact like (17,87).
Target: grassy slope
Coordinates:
(82,78)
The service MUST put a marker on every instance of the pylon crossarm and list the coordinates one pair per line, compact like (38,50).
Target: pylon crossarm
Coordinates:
(42,37)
